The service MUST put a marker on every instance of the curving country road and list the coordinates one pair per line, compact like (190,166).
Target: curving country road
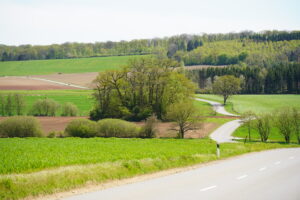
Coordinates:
(269,175)
(223,133)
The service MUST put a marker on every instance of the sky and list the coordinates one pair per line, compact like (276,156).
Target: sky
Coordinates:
(42,22)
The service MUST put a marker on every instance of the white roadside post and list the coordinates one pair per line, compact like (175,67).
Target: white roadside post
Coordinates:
(218,150)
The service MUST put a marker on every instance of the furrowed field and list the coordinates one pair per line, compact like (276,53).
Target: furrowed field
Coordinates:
(79,65)
(256,103)
(97,160)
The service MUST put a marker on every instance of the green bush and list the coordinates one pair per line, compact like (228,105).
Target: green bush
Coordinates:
(69,109)
(20,126)
(81,128)
(117,128)
(44,107)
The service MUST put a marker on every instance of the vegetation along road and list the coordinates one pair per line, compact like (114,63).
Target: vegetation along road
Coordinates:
(266,175)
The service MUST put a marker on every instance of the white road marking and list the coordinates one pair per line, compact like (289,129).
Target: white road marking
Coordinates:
(262,169)
(277,163)
(241,177)
(208,188)
(292,157)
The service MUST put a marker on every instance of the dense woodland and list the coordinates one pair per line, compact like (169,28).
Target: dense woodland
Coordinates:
(268,61)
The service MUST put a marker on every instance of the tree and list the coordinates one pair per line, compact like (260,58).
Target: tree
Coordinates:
(296,122)
(19,104)
(9,105)
(2,105)
(69,109)
(263,126)
(247,119)
(184,114)
(45,107)
(226,86)
(284,122)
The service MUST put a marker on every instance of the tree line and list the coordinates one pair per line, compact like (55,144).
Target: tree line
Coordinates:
(168,46)
(282,78)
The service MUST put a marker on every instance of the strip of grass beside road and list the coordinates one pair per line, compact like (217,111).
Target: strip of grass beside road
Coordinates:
(98,160)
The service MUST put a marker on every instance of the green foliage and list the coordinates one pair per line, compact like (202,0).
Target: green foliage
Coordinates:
(81,128)
(284,121)
(44,107)
(145,86)
(9,105)
(19,103)
(117,128)
(226,86)
(184,114)
(20,126)
(69,109)
(263,126)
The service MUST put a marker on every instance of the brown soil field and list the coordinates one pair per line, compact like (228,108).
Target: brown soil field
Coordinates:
(23,83)
(163,130)
(81,79)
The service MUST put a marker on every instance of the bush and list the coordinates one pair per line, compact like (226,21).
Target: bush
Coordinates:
(20,126)
(56,134)
(81,128)
(117,128)
(69,109)
(148,130)
(44,107)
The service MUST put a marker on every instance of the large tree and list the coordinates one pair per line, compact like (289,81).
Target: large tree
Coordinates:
(226,86)
(146,86)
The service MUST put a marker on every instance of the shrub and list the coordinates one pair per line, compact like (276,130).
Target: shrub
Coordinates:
(57,134)
(148,130)
(117,128)
(19,103)
(263,126)
(20,126)
(81,128)
(44,107)
(69,109)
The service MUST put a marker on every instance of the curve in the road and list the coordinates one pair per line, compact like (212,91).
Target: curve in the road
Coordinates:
(223,133)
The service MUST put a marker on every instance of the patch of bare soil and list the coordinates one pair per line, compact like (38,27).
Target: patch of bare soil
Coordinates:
(81,79)
(24,83)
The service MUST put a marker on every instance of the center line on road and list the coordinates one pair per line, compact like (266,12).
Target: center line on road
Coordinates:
(292,157)
(262,169)
(277,163)
(241,177)
(208,188)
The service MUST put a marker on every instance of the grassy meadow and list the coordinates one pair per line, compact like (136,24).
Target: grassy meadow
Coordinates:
(256,103)
(97,160)
(81,98)
(77,65)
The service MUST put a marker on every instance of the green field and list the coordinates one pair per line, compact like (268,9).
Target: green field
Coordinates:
(78,65)
(97,160)
(81,98)
(256,103)
(275,136)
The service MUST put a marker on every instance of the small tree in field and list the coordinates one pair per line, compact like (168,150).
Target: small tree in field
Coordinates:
(184,114)
(148,130)
(247,119)
(9,105)
(284,122)
(263,126)
(296,122)
(226,86)
(19,104)
(2,105)
(69,109)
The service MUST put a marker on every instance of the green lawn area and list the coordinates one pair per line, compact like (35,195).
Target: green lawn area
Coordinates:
(256,103)
(77,65)
(81,98)
(205,109)
(97,160)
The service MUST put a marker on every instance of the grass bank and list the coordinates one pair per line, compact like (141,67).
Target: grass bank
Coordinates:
(256,103)
(76,65)
(39,166)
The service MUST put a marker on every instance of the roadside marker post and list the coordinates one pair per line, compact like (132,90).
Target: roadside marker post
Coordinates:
(218,150)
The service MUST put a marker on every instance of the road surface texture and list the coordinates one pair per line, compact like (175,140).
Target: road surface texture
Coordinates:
(218,107)
(223,133)
(268,175)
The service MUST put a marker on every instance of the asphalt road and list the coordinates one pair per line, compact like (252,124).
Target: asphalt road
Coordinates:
(268,175)
(218,107)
